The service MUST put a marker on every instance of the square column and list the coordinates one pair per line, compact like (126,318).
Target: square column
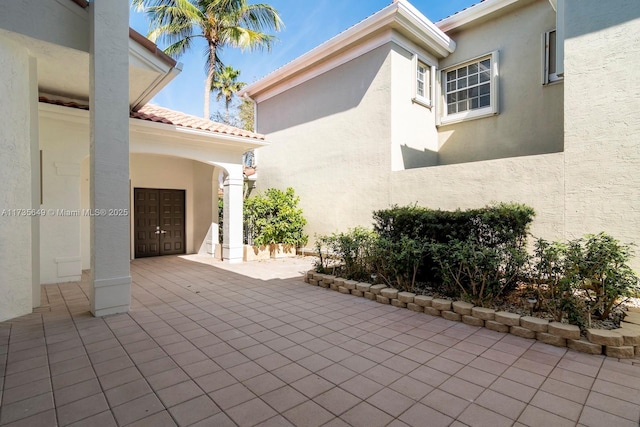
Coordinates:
(232,244)
(19,282)
(109,156)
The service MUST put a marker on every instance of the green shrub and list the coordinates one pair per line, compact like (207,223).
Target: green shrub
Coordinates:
(397,262)
(274,217)
(502,227)
(598,265)
(583,278)
(553,290)
(477,272)
(347,254)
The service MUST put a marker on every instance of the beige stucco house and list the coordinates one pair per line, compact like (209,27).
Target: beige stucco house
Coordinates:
(92,175)
(534,101)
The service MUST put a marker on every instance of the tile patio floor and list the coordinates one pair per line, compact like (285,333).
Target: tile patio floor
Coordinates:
(214,347)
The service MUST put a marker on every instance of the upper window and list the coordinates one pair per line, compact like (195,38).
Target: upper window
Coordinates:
(470,89)
(550,70)
(423,83)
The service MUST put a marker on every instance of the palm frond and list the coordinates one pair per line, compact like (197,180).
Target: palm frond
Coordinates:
(246,39)
(176,49)
(262,17)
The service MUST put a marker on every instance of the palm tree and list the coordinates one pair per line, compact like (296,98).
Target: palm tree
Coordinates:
(220,23)
(225,81)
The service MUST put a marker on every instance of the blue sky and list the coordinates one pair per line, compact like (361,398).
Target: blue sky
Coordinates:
(307,24)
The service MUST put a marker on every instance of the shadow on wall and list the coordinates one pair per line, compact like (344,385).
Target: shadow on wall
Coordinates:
(590,16)
(414,158)
(336,91)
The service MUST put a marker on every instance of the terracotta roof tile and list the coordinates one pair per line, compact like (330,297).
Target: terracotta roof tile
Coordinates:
(155,113)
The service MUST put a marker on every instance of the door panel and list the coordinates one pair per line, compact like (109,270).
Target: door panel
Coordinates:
(172,221)
(159,226)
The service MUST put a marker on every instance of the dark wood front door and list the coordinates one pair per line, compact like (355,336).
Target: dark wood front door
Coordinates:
(159,226)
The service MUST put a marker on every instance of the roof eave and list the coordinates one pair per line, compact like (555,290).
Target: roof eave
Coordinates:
(236,143)
(80,116)
(399,13)
(427,32)
(472,13)
(151,47)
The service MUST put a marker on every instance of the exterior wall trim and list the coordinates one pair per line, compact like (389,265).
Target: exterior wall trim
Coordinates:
(75,115)
(477,11)
(399,15)
(309,74)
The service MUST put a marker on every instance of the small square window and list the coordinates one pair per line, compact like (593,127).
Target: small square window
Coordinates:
(470,89)
(423,83)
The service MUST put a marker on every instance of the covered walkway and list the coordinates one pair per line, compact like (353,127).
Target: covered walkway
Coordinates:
(213,344)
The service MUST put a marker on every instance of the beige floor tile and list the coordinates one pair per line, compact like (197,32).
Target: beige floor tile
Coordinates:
(366,415)
(592,417)
(284,398)
(614,406)
(194,410)
(231,396)
(361,386)
(446,403)
(26,408)
(240,337)
(417,414)
(251,413)
(478,416)
(336,400)
(178,393)
(390,401)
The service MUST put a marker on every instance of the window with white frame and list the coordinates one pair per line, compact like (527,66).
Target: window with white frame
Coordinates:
(470,89)
(423,83)
(550,69)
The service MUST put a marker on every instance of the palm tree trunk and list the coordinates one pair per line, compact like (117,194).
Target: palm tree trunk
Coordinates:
(209,80)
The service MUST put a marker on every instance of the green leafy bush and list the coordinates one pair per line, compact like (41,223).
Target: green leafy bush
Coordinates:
(347,254)
(502,228)
(551,287)
(274,217)
(598,265)
(397,262)
(477,272)
(583,278)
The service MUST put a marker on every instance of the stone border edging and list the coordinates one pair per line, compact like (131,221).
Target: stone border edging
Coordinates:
(622,343)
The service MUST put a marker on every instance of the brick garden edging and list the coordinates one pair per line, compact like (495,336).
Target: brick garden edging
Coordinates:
(622,343)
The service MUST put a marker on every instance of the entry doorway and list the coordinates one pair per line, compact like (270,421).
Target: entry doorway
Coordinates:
(159,222)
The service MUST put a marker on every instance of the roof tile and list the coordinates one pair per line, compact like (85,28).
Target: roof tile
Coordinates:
(155,113)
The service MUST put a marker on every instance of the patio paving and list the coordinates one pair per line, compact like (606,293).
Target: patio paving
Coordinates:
(219,345)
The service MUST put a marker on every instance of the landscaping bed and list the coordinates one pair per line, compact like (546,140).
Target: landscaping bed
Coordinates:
(476,266)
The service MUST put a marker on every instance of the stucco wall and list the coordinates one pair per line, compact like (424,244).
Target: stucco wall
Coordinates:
(15,174)
(602,120)
(64,146)
(56,21)
(533,180)
(413,131)
(330,141)
(530,114)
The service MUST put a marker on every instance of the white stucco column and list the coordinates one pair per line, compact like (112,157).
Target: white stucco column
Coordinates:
(109,156)
(16,146)
(35,181)
(232,226)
